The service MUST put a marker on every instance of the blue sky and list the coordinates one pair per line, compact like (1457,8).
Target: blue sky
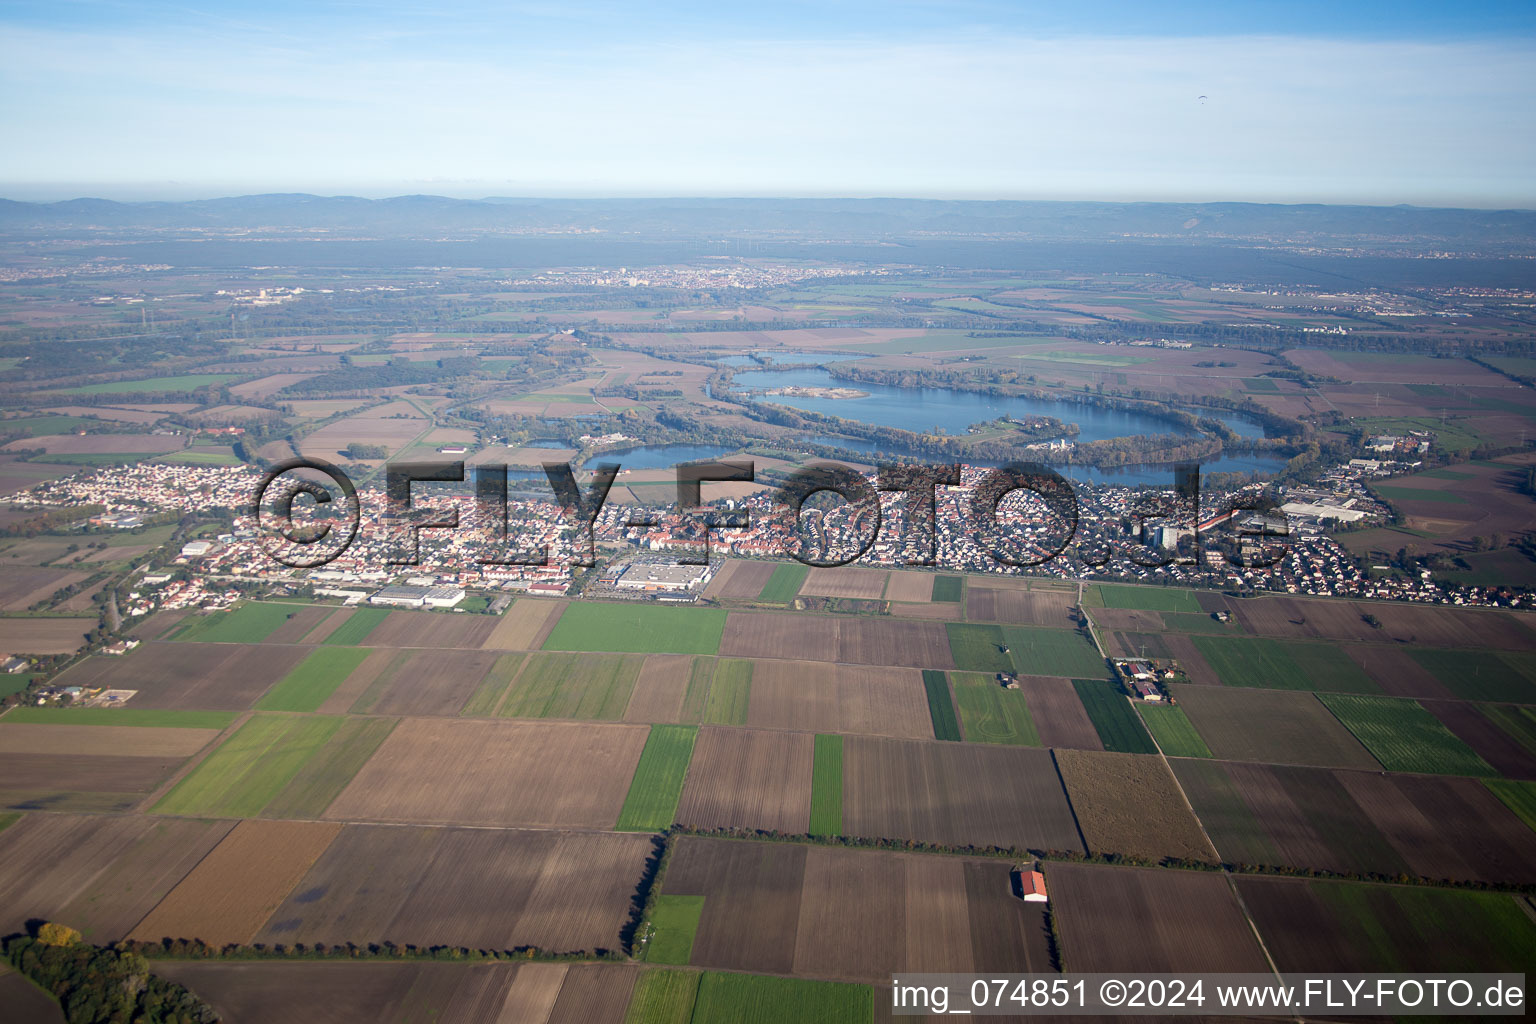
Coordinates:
(1427,103)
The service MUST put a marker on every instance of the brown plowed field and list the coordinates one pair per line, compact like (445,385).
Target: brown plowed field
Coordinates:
(25,585)
(30,773)
(929,612)
(1491,743)
(815,696)
(1130,620)
(1059,716)
(299,624)
(1442,626)
(864,641)
(853,915)
(65,867)
(1150,920)
(1484,834)
(779,635)
(1028,607)
(906,585)
(1276,796)
(432,629)
(102,740)
(522,626)
(1130,803)
(532,994)
(202,677)
(1272,726)
(44,636)
(751,900)
(426,683)
(1395,671)
(739,580)
(482,888)
(330,625)
(234,889)
(659,689)
(375,665)
(1182,649)
(473,772)
(744,778)
(844,581)
(594,994)
(956,794)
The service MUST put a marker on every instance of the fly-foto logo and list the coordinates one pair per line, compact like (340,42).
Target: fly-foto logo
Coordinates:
(308,513)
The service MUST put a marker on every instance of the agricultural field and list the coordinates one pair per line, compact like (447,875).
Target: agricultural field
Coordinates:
(52,635)
(1482,675)
(1052,652)
(276,759)
(1113,718)
(804,695)
(1271,726)
(24,585)
(1502,735)
(948,589)
(424,629)
(941,705)
(1519,797)
(1172,730)
(784,583)
(568,775)
(1130,804)
(845,581)
(811,911)
(1052,608)
(675,920)
(748,778)
(524,626)
(1349,926)
(740,580)
(1283,665)
(1405,737)
(1150,920)
(237,886)
(754,999)
(247,623)
(356,627)
(909,587)
(141,717)
(978,648)
(729,698)
(991,714)
(661,688)
(977,794)
(1153,599)
(315,678)
(775,634)
(188,676)
(100,873)
(637,628)
(484,888)
(590,686)
(658,782)
(1352,821)
(827,786)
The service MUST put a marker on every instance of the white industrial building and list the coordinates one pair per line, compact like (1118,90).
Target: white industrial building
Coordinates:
(418,597)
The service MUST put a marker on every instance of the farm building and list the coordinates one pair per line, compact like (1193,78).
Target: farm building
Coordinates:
(418,597)
(1029,886)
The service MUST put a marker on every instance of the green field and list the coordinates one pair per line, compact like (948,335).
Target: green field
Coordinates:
(150,718)
(784,584)
(757,999)
(357,627)
(1520,723)
(1469,931)
(1426,494)
(1519,796)
(185,382)
(573,686)
(696,696)
(36,425)
(1042,651)
(658,781)
(1283,665)
(827,786)
(730,692)
(675,920)
(1173,730)
(1150,599)
(638,628)
(313,679)
(1403,736)
(948,589)
(1482,675)
(252,767)
(941,707)
(663,997)
(991,714)
(323,776)
(1113,719)
(200,459)
(978,648)
(489,693)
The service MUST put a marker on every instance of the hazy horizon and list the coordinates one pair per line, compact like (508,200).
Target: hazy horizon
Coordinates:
(1378,104)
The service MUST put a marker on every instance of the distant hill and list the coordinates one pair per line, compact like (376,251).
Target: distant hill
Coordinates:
(842,220)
